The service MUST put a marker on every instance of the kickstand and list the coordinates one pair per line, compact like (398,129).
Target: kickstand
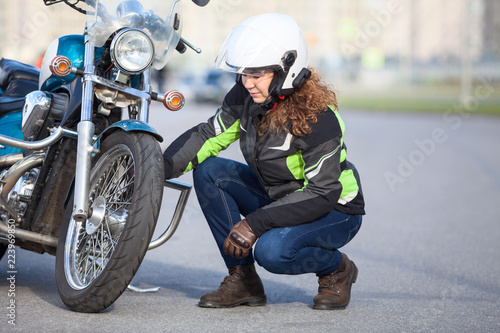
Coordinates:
(142,290)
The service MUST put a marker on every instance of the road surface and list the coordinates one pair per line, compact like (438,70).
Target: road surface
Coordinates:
(428,252)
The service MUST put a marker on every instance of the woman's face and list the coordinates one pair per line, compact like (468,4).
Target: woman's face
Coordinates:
(257,83)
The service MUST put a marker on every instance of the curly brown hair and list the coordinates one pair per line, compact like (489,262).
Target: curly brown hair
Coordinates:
(300,109)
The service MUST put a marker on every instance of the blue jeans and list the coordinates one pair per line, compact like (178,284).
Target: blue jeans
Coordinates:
(228,190)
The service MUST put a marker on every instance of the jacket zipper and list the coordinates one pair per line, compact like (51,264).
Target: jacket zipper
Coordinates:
(255,121)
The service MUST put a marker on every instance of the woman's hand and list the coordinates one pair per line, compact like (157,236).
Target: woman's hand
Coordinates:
(240,240)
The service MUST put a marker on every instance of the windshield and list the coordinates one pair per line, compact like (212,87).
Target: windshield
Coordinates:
(159,19)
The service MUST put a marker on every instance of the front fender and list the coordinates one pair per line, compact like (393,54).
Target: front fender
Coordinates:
(130,125)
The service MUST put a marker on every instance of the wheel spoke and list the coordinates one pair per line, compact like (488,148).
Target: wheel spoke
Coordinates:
(120,173)
(114,181)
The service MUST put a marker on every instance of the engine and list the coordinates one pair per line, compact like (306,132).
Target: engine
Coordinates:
(20,195)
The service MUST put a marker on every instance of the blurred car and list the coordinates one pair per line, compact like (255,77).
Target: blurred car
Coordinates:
(213,85)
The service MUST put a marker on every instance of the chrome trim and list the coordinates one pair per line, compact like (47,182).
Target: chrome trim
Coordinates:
(132,92)
(8,208)
(88,85)
(35,145)
(142,290)
(179,210)
(115,59)
(18,169)
(10,159)
(71,134)
(85,134)
(32,145)
(191,46)
(34,99)
(82,174)
(145,101)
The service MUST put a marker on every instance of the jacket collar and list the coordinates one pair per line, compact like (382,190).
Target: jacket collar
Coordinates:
(258,110)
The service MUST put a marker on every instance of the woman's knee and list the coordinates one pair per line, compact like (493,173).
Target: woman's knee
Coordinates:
(215,168)
(270,253)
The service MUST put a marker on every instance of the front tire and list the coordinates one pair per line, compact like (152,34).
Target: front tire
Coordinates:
(94,267)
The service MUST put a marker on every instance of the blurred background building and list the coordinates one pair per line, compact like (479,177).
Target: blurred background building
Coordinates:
(356,44)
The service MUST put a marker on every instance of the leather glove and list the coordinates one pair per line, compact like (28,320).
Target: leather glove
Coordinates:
(240,240)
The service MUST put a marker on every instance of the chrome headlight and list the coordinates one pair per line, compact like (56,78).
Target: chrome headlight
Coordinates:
(132,51)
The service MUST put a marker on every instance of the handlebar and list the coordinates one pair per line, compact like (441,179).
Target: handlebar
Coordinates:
(72,5)
(91,3)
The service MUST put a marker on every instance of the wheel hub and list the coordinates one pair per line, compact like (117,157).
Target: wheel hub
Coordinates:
(98,214)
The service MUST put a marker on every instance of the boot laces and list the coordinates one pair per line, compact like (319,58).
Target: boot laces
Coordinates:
(328,282)
(230,279)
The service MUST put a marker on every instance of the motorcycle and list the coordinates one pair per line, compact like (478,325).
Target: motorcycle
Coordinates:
(81,170)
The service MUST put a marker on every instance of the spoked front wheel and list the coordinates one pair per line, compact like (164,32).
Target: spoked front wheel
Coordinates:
(97,259)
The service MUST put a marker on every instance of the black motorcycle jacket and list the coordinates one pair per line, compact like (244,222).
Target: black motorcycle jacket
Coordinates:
(307,176)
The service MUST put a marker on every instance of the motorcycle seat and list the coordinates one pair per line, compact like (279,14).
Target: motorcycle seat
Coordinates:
(16,81)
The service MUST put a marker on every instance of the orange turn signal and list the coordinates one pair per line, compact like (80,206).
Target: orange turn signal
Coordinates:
(173,100)
(60,66)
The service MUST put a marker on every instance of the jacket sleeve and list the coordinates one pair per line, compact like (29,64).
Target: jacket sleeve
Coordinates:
(202,141)
(322,188)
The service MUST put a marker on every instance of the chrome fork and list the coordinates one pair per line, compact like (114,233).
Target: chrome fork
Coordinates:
(85,147)
(86,130)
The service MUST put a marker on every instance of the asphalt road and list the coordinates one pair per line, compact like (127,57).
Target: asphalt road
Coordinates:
(428,252)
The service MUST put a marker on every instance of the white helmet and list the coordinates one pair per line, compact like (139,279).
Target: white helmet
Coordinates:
(267,41)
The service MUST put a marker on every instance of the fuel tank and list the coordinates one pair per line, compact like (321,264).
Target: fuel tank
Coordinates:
(71,46)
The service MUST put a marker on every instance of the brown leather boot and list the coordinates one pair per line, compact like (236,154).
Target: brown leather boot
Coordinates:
(334,291)
(242,287)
